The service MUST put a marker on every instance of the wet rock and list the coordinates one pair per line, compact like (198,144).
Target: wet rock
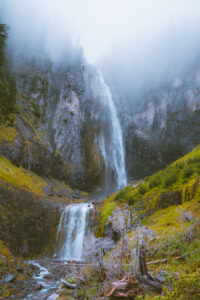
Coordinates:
(76,195)
(160,278)
(9,278)
(187,216)
(47,190)
(3,260)
(19,269)
(119,219)
(38,287)
(58,193)
(53,296)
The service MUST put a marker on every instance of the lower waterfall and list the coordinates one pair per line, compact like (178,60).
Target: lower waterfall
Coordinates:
(71,231)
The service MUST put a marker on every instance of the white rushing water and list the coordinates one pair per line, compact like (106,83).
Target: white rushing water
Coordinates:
(74,219)
(71,231)
(112,149)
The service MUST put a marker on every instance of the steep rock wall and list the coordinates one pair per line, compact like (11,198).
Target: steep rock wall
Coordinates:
(163,127)
(58,121)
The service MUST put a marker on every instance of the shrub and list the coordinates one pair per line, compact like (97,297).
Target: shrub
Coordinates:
(179,166)
(142,190)
(36,109)
(187,172)
(170,179)
(130,201)
(71,280)
(155,181)
(187,286)
(194,160)
(121,194)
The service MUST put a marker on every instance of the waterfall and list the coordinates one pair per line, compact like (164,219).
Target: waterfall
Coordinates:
(71,231)
(74,219)
(112,148)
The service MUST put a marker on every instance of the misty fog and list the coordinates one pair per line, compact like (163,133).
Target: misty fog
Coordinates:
(137,44)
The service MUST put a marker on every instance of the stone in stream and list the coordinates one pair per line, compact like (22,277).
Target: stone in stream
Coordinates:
(38,287)
(53,296)
(9,278)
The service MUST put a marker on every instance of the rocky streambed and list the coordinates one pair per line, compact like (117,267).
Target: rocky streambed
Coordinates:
(48,281)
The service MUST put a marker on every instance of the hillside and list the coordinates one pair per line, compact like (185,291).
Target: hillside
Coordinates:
(164,210)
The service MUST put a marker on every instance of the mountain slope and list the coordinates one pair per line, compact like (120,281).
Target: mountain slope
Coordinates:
(164,211)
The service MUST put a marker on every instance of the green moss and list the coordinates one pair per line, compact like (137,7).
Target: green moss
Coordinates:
(106,211)
(187,171)
(170,179)
(154,181)
(82,193)
(184,287)
(165,220)
(20,178)
(142,189)
(36,109)
(181,177)
(4,251)
(7,135)
(71,280)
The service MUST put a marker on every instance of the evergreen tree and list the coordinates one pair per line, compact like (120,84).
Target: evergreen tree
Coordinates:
(7,82)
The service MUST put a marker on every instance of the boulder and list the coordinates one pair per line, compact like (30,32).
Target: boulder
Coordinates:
(53,296)
(47,190)
(9,278)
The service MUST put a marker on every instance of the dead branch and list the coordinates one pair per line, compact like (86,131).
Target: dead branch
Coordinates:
(126,288)
(174,258)
(69,285)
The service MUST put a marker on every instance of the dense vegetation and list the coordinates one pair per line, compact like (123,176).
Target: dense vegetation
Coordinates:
(168,205)
(7,82)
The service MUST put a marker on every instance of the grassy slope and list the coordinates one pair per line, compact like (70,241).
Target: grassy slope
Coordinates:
(25,180)
(174,223)
(182,177)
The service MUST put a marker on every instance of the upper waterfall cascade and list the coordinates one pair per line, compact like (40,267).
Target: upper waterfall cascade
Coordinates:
(113,149)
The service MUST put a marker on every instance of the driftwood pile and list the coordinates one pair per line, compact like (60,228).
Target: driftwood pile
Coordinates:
(132,285)
(126,288)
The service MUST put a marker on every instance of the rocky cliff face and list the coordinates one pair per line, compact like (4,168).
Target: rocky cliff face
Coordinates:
(60,118)
(58,122)
(163,126)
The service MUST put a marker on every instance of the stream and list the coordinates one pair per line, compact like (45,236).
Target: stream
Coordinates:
(47,273)
(47,277)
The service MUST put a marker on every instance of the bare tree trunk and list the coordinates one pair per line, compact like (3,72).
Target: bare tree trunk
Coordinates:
(142,261)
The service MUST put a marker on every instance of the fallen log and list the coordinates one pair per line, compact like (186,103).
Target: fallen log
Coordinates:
(132,285)
(126,288)
(157,261)
(152,284)
(174,258)
(67,284)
